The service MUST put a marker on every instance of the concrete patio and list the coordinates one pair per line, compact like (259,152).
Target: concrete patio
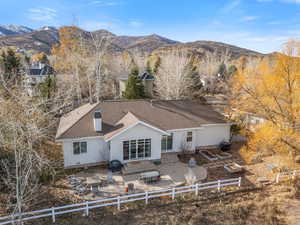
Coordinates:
(172,174)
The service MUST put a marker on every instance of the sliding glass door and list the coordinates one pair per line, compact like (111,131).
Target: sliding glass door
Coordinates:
(137,149)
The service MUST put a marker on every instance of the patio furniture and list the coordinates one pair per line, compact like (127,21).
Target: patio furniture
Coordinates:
(95,189)
(115,165)
(225,146)
(130,187)
(209,155)
(109,178)
(233,167)
(192,162)
(150,177)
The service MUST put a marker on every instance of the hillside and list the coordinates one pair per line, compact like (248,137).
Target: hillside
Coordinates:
(42,40)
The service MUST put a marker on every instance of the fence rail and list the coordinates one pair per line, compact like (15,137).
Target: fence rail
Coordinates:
(117,201)
(290,174)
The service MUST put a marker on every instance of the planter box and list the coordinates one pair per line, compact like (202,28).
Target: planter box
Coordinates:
(224,155)
(233,167)
(208,155)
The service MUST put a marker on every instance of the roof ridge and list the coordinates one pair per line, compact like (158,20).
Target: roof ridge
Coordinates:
(74,123)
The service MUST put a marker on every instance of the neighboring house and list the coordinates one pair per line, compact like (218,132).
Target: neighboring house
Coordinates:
(147,79)
(137,130)
(35,75)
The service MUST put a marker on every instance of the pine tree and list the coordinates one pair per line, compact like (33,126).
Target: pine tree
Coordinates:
(11,64)
(134,86)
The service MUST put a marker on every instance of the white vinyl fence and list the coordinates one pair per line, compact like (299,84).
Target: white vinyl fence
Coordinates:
(290,174)
(117,201)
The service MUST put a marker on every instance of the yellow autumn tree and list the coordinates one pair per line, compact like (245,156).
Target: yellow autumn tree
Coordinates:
(40,57)
(271,91)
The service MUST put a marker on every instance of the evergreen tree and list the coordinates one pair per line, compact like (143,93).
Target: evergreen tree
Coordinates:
(47,87)
(11,65)
(222,71)
(134,86)
(231,70)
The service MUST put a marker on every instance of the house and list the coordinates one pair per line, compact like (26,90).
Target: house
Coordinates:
(137,130)
(147,80)
(36,74)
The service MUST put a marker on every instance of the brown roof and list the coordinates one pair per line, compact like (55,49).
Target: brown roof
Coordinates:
(117,115)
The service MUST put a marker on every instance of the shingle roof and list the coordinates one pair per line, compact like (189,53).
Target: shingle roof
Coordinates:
(166,115)
(46,70)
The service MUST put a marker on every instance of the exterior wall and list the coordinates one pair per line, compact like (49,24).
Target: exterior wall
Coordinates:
(148,84)
(137,132)
(97,151)
(202,136)
(122,86)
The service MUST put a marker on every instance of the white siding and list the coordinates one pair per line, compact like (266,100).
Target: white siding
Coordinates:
(213,135)
(203,136)
(137,132)
(97,151)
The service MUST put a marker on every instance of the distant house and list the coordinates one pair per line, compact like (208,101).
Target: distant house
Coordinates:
(147,79)
(36,74)
(137,130)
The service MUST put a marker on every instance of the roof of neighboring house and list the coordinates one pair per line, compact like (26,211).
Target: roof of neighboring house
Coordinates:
(45,70)
(142,76)
(118,115)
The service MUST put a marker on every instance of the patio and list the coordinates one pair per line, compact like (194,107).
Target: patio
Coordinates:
(173,173)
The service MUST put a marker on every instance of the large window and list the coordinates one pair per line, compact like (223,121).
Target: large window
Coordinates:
(167,143)
(189,136)
(136,149)
(79,147)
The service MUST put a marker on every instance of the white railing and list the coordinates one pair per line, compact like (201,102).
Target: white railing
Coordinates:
(86,206)
(290,174)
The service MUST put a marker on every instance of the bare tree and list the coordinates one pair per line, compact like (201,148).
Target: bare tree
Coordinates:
(173,78)
(209,74)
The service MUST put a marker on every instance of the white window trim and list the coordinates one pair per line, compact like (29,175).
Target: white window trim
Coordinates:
(136,144)
(168,150)
(192,136)
(80,153)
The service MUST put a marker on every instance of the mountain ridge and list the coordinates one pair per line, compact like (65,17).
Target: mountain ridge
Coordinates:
(42,40)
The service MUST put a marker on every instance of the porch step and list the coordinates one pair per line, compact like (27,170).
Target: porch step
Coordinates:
(138,167)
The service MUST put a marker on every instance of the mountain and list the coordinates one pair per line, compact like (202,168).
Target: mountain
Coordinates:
(43,39)
(142,43)
(13,30)
(39,40)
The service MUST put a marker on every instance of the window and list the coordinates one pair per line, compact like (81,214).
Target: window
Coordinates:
(126,150)
(136,149)
(189,136)
(133,149)
(167,143)
(79,147)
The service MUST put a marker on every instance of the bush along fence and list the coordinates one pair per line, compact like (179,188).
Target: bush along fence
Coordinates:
(289,175)
(118,201)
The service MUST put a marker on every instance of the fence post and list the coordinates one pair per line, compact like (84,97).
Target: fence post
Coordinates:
(173,193)
(53,215)
(146,197)
(240,181)
(119,203)
(87,208)
(219,185)
(196,190)
(277,177)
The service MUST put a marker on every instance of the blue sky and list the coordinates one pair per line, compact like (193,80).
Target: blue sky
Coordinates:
(261,25)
